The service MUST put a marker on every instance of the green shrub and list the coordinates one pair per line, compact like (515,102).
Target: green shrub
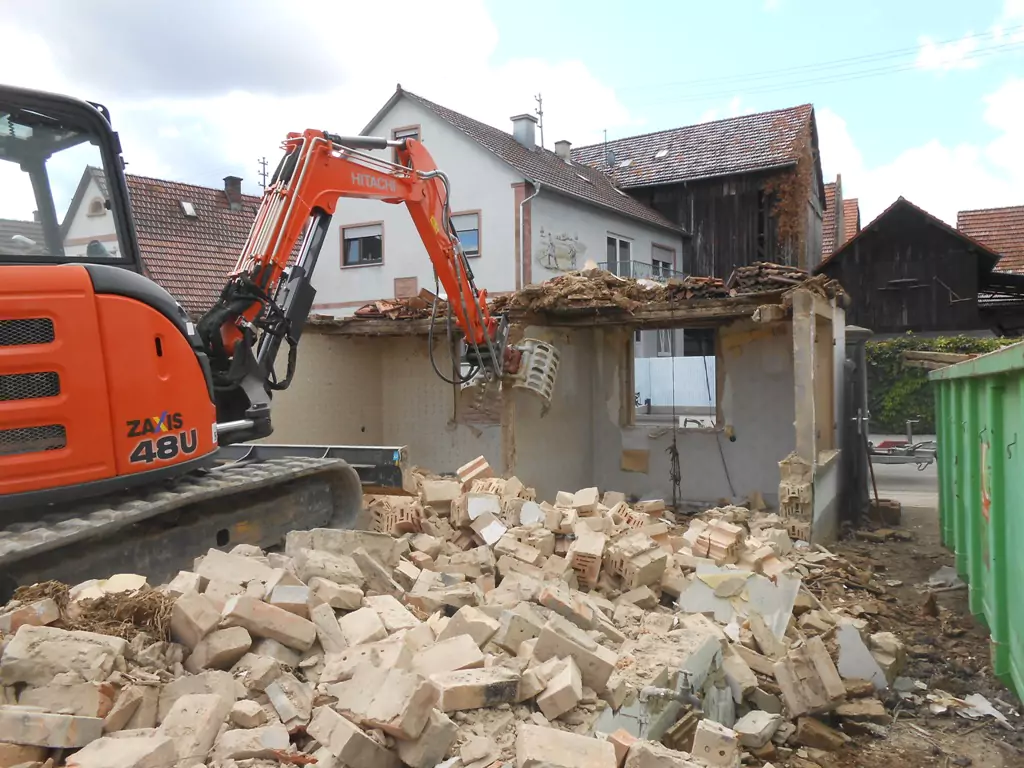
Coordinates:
(897,393)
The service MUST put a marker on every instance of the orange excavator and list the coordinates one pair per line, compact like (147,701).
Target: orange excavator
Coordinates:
(116,409)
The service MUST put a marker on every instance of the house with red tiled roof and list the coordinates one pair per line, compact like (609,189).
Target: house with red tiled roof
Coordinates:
(908,270)
(189,235)
(851,219)
(840,220)
(1001,229)
(830,222)
(524,213)
(746,188)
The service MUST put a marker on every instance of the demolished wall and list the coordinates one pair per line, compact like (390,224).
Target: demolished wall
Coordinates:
(587,435)
(350,390)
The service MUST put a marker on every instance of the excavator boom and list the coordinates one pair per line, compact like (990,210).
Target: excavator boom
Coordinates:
(261,308)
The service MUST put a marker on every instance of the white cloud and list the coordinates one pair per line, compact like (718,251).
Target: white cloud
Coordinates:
(734,108)
(940,178)
(944,57)
(1009,28)
(205,122)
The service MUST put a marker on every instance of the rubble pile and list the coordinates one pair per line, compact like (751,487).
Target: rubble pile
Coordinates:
(474,627)
(763,276)
(582,288)
(411,308)
(693,287)
(598,288)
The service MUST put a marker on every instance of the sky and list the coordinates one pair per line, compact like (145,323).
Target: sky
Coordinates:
(912,98)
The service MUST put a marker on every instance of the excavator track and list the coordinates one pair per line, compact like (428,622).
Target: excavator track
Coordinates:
(255,499)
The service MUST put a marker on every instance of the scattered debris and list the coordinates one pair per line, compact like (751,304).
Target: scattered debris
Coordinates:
(475,626)
(946,578)
(411,308)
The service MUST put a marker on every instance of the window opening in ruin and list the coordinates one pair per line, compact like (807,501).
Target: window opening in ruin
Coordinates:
(675,365)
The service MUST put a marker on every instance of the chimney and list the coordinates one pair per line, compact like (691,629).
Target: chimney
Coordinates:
(36,217)
(562,149)
(524,130)
(233,190)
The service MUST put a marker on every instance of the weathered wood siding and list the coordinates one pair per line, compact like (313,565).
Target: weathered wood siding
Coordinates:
(942,270)
(730,223)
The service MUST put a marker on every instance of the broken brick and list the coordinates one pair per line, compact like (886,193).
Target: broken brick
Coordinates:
(31,727)
(459,652)
(471,621)
(430,747)
(362,626)
(347,742)
(541,747)
(193,723)
(265,620)
(192,618)
(563,692)
(248,743)
(221,649)
(476,688)
(401,706)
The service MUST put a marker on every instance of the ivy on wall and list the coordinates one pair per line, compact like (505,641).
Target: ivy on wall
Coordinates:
(897,393)
(790,190)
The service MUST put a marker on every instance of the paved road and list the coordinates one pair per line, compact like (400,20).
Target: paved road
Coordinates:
(904,483)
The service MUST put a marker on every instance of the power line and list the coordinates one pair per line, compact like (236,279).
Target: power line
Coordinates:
(823,65)
(839,77)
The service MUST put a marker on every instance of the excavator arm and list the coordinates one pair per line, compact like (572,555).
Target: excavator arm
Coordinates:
(266,302)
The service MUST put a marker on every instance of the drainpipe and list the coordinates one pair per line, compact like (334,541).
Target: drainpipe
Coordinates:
(524,252)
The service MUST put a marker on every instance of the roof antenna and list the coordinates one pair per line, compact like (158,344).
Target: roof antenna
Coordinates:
(609,155)
(540,115)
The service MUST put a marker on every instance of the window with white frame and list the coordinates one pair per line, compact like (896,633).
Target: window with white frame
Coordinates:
(467,226)
(362,245)
(619,255)
(663,261)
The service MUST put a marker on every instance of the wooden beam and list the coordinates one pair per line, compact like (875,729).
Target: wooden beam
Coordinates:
(692,313)
(361,327)
(662,315)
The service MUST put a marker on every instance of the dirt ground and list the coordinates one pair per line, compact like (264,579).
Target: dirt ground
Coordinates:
(947,652)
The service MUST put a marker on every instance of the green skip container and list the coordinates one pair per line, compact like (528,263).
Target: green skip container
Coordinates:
(980,456)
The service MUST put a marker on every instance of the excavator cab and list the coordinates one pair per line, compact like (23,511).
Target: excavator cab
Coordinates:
(58,203)
(104,382)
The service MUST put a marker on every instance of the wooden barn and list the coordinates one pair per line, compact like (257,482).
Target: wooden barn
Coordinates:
(910,271)
(746,189)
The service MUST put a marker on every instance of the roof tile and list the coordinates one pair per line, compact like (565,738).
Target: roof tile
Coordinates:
(901,203)
(851,219)
(9,228)
(190,257)
(546,167)
(1001,229)
(828,222)
(720,148)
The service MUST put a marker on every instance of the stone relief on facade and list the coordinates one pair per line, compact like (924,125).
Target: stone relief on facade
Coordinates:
(560,251)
